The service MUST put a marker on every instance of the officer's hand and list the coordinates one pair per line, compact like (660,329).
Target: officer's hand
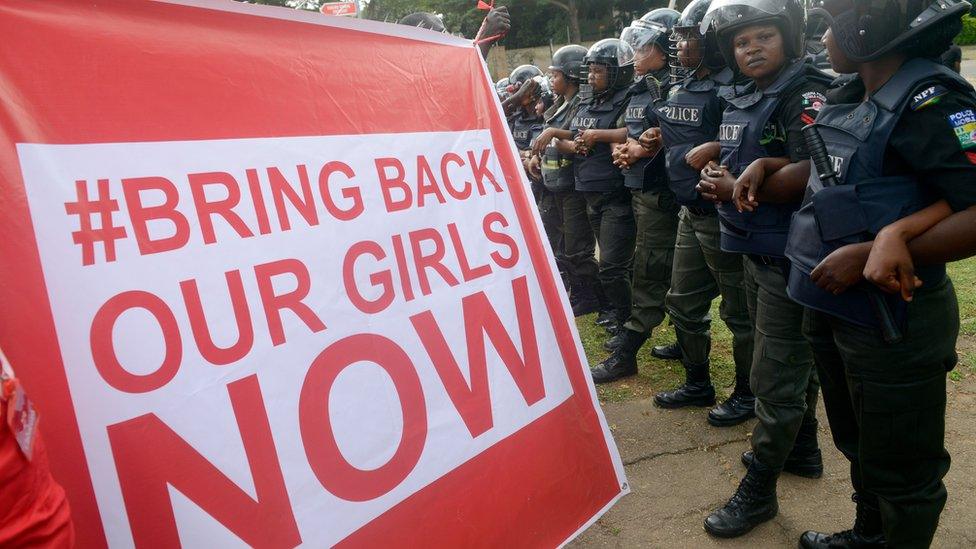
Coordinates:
(700,156)
(716,183)
(581,148)
(496,24)
(651,140)
(841,269)
(525,91)
(541,142)
(890,266)
(588,138)
(620,157)
(534,167)
(747,188)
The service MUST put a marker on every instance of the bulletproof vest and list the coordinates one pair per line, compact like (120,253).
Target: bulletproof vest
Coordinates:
(596,171)
(524,129)
(764,231)
(557,168)
(864,199)
(683,127)
(646,173)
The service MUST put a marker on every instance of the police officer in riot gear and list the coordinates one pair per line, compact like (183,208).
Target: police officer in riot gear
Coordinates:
(526,123)
(655,210)
(566,73)
(759,181)
(597,125)
(898,137)
(689,121)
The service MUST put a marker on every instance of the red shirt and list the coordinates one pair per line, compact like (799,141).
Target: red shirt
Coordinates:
(33,509)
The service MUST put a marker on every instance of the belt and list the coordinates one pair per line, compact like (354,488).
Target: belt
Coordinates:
(701,212)
(781,264)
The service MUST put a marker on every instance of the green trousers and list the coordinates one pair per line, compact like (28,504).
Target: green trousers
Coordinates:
(656,215)
(783,376)
(886,408)
(702,272)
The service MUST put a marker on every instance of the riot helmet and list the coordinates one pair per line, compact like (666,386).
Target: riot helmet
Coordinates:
(424,20)
(653,28)
(868,29)
(688,28)
(522,73)
(569,61)
(730,16)
(501,88)
(618,58)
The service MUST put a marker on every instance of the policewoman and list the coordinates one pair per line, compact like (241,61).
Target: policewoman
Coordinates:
(760,180)
(566,73)
(595,127)
(689,119)
(898,137)
(527,123)
(655,211)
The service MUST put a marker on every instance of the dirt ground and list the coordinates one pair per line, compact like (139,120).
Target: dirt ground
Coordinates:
(680,469)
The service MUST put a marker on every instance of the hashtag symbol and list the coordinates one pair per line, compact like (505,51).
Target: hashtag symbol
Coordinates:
(86,236)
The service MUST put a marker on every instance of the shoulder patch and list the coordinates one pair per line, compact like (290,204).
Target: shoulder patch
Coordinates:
(812,102)
(927,97)
(964,125)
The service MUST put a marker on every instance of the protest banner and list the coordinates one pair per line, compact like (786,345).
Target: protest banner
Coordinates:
(274,278)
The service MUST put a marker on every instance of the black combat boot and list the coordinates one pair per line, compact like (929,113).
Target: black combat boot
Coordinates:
(671,351)
(752,504)
(805,459)
(739,407)
(866,534)
(614,342)
(583,299)
(697,390)
(623,361)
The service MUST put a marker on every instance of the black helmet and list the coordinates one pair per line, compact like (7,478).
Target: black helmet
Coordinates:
(523,73)
(867,29)
(653,28)
(501,87)
(689,27)
(424,20)
(569,61)
(618,57)
(729,16)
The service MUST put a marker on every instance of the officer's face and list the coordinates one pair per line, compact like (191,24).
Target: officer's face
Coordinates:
(558,82)
(649,59)
(598,78)
(689,52)
(759,51)
(838,60)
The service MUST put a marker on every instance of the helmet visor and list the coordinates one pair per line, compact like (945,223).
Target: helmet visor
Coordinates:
(723,13)
(641,34)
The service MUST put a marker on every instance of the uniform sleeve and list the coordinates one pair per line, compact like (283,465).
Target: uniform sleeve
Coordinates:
(936,138)
(800,108)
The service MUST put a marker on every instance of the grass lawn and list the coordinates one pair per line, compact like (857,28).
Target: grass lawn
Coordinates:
(656,375)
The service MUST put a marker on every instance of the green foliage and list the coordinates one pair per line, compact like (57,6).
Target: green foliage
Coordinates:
(534,22)
(968,34)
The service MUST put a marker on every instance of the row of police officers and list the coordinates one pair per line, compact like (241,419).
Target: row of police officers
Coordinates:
(706,156)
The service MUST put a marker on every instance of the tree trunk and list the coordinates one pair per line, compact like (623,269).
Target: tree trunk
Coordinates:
(574,26)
